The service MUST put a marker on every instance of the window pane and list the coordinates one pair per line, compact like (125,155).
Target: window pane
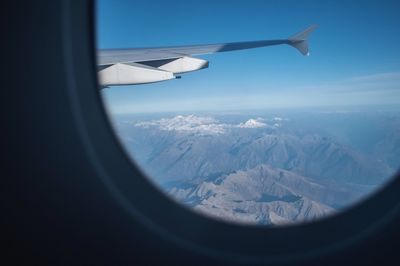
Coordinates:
(259,136)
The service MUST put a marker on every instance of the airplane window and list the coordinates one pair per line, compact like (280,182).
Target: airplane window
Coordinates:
(257,113)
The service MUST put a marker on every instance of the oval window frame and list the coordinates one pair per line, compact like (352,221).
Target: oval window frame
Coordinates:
(233,242)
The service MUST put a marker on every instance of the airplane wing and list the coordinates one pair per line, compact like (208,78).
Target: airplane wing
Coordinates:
(147,65)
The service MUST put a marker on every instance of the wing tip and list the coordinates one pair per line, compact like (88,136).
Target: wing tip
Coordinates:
(300,40)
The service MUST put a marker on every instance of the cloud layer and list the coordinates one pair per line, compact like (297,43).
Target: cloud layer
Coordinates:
(203,124)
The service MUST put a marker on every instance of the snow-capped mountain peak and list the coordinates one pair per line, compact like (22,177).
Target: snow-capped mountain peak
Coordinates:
(253,123)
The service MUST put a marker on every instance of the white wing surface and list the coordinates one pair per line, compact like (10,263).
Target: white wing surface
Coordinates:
(147,65)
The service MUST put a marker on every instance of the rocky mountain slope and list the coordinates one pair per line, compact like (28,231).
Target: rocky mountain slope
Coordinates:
(259,170)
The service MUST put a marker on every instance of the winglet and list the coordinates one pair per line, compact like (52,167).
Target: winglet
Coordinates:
(300,40)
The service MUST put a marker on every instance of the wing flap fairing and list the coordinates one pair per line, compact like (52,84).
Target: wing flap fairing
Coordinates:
(132,73)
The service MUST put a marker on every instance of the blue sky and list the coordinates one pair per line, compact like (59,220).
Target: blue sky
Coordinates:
(355,56)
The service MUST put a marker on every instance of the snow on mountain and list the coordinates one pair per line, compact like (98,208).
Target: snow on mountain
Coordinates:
(189,124)
(199,124)
(253,123)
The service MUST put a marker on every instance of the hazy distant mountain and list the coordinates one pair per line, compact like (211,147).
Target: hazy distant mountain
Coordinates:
(187,147)
(268,170)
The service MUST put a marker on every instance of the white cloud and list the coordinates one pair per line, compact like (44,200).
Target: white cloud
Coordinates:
(189,124)
(279,119)
(387,76)
(200,124)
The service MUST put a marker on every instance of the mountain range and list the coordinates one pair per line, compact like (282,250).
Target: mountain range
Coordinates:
(264,169)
